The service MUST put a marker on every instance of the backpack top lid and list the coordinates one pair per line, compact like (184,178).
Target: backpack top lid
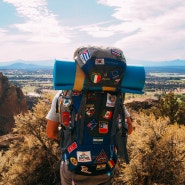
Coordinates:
(104,67)
(83,54)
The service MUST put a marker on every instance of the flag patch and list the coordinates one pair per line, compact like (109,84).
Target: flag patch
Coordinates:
(85,55)
(103,127)
(116,52)
(95,77)
(107,114)
(100,61)
(92,124)
(111,163)
(72,147)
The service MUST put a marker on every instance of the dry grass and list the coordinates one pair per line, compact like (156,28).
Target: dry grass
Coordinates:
(156,149)
(157,154)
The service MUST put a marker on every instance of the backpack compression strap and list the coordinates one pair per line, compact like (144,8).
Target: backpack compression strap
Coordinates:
(122,139)
(118,105)
(81,117)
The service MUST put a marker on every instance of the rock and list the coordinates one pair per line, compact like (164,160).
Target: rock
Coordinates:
(12,102)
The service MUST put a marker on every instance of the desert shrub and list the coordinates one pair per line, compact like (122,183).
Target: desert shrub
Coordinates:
(156,149)
(34,159)
(181,114)
(169,105)
(157,153)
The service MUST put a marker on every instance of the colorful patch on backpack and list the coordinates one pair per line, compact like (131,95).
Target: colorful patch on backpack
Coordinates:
(85,169)
(99,61)
(95,77)
(72,147)
(111,163)
(73,161)
(111,100)
(115,74)
(85,55)
(107,114)
(84,156)
(103,127)
(100,166)
(89,109)
(66,102)
(92,124)
(97,140)
(116,53)
(102,157)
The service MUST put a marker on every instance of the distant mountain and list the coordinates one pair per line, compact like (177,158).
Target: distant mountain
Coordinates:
(37,62)
(157,63)
(20,65)
(42,64)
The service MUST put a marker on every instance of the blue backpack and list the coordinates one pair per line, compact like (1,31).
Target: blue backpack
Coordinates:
(93,132)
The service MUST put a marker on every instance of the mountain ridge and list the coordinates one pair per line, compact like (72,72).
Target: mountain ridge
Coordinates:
(21,65)
(48,64)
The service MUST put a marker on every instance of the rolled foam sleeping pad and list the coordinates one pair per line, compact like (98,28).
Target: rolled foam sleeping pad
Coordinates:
(67,75)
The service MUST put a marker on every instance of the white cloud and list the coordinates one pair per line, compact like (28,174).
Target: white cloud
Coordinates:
(160,25)
(152,30)
(40,23)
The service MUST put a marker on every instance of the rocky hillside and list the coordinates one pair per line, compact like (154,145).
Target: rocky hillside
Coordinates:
(12,102)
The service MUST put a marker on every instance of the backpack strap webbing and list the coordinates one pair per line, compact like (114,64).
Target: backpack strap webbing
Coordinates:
(81,117)
(124,134)
(118,105)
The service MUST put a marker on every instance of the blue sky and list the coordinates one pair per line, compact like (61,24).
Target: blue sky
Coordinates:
(52,29)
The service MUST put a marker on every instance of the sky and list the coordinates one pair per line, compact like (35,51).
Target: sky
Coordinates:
(53,29)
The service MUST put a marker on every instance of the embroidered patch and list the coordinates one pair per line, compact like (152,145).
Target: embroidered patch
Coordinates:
(99,61)
(111,163)
(107,114)
(111,100)
(95,77)
(102,157)
(66,102)
(100,166)
(89,109)
(72,147)
(103,127)
(116,53)
(97,140)
(85,55)
(84,156)
(85,169)
(92,124)
(73,161)
(115,74)
(117,80)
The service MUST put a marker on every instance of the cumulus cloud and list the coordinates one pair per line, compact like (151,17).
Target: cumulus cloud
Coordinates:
(40,23)
(144,29)
(160,24)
